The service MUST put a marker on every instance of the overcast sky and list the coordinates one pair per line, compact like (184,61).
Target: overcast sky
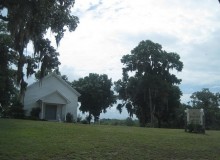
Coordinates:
(109,29)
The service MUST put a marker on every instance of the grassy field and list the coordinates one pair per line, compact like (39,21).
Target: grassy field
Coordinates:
(23,139)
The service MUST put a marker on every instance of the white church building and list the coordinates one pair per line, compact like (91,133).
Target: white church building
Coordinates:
(54,96)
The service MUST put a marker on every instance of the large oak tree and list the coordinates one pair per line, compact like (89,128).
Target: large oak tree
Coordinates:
(7,58)
(148,87)
(29,21)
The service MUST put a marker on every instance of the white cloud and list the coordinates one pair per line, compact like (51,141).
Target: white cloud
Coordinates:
(110,29)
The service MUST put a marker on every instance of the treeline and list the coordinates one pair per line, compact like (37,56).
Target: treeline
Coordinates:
(119,122)
(107,121)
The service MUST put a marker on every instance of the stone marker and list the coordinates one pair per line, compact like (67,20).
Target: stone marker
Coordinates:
(195,120)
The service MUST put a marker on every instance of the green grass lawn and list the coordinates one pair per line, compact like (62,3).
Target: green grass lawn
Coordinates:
(23,139)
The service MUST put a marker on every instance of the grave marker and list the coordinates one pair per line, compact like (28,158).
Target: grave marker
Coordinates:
(195,120)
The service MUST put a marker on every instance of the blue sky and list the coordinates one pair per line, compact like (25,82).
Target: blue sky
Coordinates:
(110,29)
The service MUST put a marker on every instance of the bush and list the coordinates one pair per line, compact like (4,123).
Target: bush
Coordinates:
(84,121)
(16,110)
(129,122)
(35,112)
(196,128)
(69,117)
(79,119)
(115,122)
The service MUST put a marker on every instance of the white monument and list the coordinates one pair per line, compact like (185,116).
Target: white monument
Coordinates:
(195,118)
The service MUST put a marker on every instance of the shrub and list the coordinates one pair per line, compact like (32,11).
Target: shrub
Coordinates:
(115,123)
(35,112)
(16,110)
(79,118)
(196,128)
(129,121)
(84,121)
(69,117)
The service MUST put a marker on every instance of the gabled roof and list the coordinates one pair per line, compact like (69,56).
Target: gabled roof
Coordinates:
(60,79)
(54,97)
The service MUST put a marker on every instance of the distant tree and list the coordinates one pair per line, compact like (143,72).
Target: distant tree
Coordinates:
(28,21)
(210,102)
(148,88)
(96,94)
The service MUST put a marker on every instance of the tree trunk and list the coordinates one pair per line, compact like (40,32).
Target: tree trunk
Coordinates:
(159,122)
(142,118)
(89,118)
(151,109)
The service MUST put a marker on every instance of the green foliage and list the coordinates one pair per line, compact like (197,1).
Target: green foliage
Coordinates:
(120,122)
(50,71)
(29,21)
(88,118)
(35,112)
(196,128)
(96,94)
(129,121)
(8,89)
(148,88)
(210,102)
(16,110)
(179,117)
(85,121)
(69,118)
